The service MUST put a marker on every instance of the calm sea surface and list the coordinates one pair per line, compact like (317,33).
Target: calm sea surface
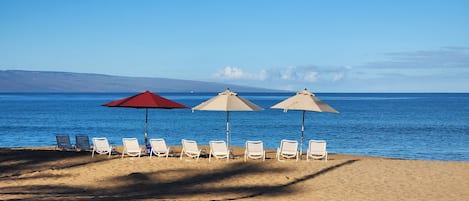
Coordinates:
(410,126)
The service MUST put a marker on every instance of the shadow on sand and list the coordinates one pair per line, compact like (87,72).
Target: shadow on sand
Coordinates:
(14,163)
(139,186)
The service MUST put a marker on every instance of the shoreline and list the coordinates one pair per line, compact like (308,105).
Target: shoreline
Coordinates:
(239,151)
(42,174)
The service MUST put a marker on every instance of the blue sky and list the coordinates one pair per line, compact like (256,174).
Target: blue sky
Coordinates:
(325,46)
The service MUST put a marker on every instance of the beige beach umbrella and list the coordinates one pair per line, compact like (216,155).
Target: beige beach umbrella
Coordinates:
(227,101)
(304,101)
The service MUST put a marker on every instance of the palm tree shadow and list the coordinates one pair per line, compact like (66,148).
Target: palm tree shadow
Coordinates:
(280,188)
(14,163)
(198,185)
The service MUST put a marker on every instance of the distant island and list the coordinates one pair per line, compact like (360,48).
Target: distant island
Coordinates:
(48,81)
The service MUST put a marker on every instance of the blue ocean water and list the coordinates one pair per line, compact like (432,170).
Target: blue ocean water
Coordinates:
(401,125)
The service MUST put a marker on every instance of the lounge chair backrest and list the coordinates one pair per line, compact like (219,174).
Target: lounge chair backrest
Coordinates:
(190,146)
(317,150)
(254,150)
(101,145)
(82,142)
(254,147)
(317,147)
(63,142)
(289,146)
(159,148)
(131,147)
(131,144)
(158,145)
(218,147)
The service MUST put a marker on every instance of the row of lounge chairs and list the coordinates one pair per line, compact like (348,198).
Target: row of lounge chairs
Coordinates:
(255,150)
(288,149)
(82,142)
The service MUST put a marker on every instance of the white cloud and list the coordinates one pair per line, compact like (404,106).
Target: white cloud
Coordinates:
(296,74)
(311,76)
(338,76)
(286,74)
(263,75)
(455,58)
(232,73)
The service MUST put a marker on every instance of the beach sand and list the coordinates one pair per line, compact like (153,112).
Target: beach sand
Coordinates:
(45,174)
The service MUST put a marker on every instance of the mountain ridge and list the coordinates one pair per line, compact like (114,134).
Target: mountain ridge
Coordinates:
(57,81)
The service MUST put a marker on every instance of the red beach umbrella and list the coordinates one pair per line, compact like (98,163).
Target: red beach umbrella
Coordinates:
(145,100)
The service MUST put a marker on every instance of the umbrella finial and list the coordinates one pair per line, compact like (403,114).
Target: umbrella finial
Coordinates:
(305,92)
(228,92)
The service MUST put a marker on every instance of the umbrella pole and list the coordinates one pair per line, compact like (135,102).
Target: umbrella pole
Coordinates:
(145,137)
(302,134)
(228,129)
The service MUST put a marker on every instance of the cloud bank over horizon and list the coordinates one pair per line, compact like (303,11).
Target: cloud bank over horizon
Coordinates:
(398,71)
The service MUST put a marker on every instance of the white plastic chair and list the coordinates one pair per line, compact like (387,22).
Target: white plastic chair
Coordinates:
(101,146)
(82,143)
(159,148)
(63,142)
(254,150)
(219,150)
(288,149)
(190,149)
(316,150)
(131,147)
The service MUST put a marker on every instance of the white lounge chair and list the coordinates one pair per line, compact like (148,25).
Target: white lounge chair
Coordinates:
(159,148)
(316,150)
(131,147)
(218,149)
(190,149)
(63,142)
(101,146)
(82,143)
(254,150)
(288,149)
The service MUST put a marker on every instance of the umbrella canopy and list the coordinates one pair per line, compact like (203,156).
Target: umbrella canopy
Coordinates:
(304,101)
(227,101)
(145,100)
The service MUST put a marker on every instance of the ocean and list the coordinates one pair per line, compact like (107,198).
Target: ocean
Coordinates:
(427,126)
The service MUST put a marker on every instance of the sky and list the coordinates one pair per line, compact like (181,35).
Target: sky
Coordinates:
(325,46)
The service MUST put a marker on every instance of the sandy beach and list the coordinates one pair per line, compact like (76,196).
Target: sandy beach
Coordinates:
(45,174)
